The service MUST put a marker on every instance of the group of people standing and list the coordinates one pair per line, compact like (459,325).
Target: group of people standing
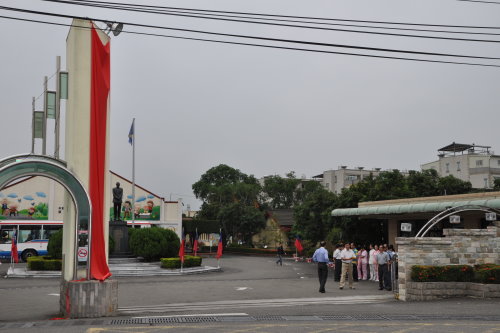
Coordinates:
(364,263)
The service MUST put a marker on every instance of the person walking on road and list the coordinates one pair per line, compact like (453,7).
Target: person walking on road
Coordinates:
(321,257)
(281,253)
(347,255)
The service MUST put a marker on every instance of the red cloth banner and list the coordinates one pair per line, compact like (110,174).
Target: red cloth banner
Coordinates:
(99,92)
(13,249)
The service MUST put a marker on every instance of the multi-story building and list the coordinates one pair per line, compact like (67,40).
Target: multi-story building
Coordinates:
(336,180)
(468,162)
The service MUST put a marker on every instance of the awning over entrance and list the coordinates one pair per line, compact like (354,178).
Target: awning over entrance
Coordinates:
(423,207)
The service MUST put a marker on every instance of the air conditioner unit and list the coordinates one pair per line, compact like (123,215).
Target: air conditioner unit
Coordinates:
(455,219)
(491,216)
(406,227)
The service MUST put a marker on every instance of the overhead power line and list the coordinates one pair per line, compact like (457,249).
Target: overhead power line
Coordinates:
(283,16)
(269,46)
(264,38)
(250,19)
(481,1)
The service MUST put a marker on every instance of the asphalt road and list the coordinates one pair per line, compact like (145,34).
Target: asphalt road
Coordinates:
(251,294)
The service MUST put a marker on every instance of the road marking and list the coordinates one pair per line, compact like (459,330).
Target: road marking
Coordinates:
(242,288)
(54,295)
(197,315)
(258,303)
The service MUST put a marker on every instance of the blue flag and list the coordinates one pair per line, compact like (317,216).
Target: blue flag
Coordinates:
(131,134)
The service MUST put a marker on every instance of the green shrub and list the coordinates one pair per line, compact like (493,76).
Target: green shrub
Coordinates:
(189,261)
(44,264)
(54,247)
(456,273)
(488,273)
(154,243)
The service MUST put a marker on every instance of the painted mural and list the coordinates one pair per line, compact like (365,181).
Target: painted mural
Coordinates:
(22,206)
(145,209)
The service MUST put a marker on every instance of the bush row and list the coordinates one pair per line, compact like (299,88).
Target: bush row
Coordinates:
(189,261)
(44,264)
(487,273)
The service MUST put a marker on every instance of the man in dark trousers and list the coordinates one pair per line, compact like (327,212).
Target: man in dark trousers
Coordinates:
(384,279)
(338,261)
(321,257)
(281,253)
(117,201)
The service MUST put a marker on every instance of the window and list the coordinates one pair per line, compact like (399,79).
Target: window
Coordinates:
(498,162)
(479,163)
(458,166)
(485,182)
(48,230)
(29,232)
(335,180)
(447,167)
(6,232)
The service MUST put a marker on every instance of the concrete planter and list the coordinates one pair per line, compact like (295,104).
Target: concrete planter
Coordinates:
(426,291)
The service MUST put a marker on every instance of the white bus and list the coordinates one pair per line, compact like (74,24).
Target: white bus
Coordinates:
(33,237)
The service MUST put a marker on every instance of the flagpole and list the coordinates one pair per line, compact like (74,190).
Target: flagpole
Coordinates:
(182,244)
(133,174)
(220,240)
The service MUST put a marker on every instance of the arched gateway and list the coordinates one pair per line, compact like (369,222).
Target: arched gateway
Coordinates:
(75,298)
(15,167)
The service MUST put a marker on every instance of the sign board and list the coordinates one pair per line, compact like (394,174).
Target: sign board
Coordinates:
(83,252)
(406,227)
(454,219)
(491,216)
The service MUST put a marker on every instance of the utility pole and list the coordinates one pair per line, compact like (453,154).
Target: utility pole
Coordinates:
(33,125)
(58,107)
(44,144)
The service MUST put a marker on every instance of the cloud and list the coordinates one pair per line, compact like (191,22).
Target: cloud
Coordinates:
(12,195)
(142,198)
(41,194)
(28,197)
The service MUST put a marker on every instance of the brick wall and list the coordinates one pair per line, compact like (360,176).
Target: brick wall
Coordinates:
(458,246)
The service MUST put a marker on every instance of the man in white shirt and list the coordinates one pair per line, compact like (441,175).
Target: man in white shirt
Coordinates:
(346,255)
(338,261)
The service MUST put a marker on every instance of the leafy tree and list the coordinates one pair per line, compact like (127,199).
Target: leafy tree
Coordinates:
(452,185)
(281,191)
(230,197)
(312,217)
(496,184)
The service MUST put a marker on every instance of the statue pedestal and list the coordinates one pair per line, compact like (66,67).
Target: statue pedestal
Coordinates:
(89,299)
(119,231)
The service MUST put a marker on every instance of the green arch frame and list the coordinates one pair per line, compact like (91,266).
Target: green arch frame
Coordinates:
(15,167)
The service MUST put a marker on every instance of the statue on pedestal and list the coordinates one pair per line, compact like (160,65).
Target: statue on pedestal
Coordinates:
(117,201)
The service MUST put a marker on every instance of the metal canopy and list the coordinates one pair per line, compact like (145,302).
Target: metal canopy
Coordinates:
(429,207)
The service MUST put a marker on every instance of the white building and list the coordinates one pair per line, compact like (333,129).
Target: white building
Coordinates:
(468,162)
(336,180)
(42,198)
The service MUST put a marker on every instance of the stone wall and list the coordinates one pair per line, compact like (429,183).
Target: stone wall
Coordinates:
(459,246)
(427,291)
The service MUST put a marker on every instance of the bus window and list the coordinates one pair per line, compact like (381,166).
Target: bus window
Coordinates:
(29,232)
(6,232)
(48,230)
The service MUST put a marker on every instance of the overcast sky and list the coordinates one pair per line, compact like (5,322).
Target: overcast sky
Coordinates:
(265,111)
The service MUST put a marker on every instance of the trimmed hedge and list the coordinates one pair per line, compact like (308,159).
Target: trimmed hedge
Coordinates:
(189,261)
(154,243)
(456,273)
(488,273)
(54,247)
(44,264)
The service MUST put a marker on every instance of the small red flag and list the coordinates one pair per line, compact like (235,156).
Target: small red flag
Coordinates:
(181,250)
(219,247)
(298,245)
(195,244)
(13,249)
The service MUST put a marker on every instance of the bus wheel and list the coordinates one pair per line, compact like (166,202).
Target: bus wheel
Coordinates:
(28,253)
